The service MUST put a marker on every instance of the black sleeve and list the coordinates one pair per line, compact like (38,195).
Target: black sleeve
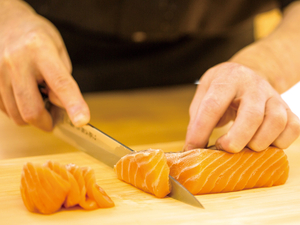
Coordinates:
(285,3)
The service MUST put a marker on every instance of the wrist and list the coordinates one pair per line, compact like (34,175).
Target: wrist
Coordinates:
(276,57)
(257,57)
(269,58)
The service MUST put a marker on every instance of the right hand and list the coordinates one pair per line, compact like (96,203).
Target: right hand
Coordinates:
(32,52)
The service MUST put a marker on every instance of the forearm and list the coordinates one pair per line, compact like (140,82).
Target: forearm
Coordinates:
(277,57)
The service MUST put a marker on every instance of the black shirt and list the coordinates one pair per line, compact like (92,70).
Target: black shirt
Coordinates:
(116,44)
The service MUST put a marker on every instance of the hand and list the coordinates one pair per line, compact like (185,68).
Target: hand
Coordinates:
(230,91)
(32,52)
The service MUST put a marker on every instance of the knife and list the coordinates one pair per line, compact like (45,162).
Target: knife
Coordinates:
(101,146)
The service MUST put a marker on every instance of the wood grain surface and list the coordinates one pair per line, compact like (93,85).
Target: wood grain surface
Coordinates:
(275,205)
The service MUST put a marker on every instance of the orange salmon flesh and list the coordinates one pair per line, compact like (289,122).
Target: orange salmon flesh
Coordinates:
(46,188)
(203,171)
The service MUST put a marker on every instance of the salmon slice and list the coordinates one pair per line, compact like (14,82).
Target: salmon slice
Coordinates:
(146,170)
(204,171)
(95,195)
(46,188)
(42,189)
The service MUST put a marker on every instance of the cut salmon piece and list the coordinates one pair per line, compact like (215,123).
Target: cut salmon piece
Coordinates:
(42,189)
(204,171)
(146,170)
(46,188)
(95,195)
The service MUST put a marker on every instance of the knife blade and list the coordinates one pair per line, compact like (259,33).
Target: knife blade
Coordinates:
(106,149)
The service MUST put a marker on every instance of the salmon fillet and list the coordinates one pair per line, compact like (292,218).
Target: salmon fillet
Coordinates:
(46,188)
(203,171)
(146,170)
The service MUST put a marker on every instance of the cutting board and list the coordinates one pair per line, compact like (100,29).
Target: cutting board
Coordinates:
(275,205)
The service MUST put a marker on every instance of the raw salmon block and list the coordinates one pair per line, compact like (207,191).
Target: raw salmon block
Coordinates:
(204,171)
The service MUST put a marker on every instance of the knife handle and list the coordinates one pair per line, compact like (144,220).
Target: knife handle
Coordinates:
(44,93)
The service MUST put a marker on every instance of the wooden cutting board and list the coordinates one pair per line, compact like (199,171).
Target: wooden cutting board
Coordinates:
(275,205)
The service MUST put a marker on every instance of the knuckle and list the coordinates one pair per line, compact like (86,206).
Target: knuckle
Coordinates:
(289,135)
(211,106)
(294,122)
(254,116)
(62,83)
(31,115)
(22,94)
(279,121)
(254,113)
(34,39)
(294,125)
(6,58)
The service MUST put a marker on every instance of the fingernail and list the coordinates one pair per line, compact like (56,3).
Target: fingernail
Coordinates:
(80,119)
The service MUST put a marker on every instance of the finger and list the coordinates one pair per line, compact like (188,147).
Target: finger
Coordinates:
(7,95)
(274,123)
(63,85)
(2,108)
(290,133)
(66,59)
(196,102)
(31,106)
(229,115)
(11,107)
(67,62)
(44,89)
(59,42)
(27,96)
(211,108)
(249,118)
(54,99)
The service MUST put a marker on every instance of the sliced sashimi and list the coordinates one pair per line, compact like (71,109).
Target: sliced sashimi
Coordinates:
(73,197)
(43,190)
(95,195)
(46,188)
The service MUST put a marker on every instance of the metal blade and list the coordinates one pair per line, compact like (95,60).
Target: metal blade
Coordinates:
(106,149)
(180,193)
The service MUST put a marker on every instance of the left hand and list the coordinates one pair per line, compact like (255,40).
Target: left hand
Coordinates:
(231,91)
